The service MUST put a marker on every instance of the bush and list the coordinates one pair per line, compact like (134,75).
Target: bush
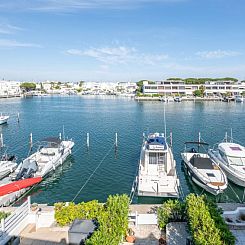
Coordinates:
(201,224)
(226,235)
(113,222)
(112,218)
(65,215)
(4,215)
(172,210)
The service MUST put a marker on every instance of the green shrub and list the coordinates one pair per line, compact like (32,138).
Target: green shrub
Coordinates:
(4,215)
(226,235)
(66,214)
(113,222)
(201,224)
(172,210)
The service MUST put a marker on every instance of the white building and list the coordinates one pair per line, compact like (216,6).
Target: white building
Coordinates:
(173,87)
(9,88)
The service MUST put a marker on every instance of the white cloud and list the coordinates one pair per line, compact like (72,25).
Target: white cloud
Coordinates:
(7,43)
(119,55)
(72,5)
(217,54)
(8,29)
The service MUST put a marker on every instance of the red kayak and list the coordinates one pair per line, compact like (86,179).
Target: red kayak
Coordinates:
(18,185)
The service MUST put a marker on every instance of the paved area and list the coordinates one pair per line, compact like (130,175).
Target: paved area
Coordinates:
(44,236)
(176,233)
(240,236)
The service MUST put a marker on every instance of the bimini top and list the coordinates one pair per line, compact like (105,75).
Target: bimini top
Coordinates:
(156,142)
(232,149)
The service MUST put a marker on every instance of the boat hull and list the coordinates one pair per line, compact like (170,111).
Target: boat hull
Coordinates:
(231,175)
(198,181)
(4,120)
(18,185)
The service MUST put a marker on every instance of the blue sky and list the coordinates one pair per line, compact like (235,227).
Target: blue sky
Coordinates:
(121,40)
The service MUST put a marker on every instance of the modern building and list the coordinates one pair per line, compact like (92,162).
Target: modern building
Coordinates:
(179,87)
(10,88)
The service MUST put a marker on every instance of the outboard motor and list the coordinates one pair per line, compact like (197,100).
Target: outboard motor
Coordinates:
(11,158)
(29,167)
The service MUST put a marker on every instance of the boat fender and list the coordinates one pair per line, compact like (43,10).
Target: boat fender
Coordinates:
(53,167)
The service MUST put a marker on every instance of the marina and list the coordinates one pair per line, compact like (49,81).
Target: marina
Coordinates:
(45,116)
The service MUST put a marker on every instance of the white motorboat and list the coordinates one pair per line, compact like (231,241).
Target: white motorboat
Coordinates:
(202,170)
(231,158)
(7,165)
(157,175)
(3,119)
(52,153)
(239,99)
(177,99)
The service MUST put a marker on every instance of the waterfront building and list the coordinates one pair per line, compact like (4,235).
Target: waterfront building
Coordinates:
(10,89)
(179,87)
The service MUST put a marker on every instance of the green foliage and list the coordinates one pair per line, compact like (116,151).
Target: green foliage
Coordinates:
(172,210)
(175,79)
(112,218)
(4,215)
(28,86)
(81,83)
(65,215)
(201,224)
(226,235)
(113,222)
(198,93)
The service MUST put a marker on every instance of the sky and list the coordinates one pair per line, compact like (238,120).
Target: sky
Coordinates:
(121,40)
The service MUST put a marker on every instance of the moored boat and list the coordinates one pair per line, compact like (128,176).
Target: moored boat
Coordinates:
(157,175)
(202,170)
(7,165)
(231,158)
(3,119)
(18,185)
(51,153)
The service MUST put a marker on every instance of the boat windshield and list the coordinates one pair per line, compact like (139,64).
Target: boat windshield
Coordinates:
(238,161)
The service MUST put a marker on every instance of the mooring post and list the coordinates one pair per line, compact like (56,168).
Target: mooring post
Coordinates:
(1,140)
(88,140)
(18,117)
(116,142)
(171,139)
(60,136)
(31,142)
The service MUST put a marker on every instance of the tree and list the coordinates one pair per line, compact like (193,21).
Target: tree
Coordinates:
(81,83)
(28,86)
(197,93)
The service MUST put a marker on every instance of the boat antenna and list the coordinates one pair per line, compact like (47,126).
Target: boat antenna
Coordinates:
(63,132)
(164,119)
(199,140)
(231,136)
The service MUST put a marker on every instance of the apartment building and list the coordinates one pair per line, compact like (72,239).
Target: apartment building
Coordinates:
(173,87)
(9,88)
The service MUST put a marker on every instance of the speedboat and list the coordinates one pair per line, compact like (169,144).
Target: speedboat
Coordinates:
(231,158)
(7,165)
(3,119)
(239,99)
(157,175)
(51,153)
(177,99)
(203,171)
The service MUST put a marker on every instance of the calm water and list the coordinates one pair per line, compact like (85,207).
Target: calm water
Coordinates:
(102,117)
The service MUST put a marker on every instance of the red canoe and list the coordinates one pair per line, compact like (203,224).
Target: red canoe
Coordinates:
(18,185)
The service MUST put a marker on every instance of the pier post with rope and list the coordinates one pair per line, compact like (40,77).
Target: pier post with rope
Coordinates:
(31,142)
(1,141)
(87,140)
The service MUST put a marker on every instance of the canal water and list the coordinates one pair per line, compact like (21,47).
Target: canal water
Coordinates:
(102,117)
